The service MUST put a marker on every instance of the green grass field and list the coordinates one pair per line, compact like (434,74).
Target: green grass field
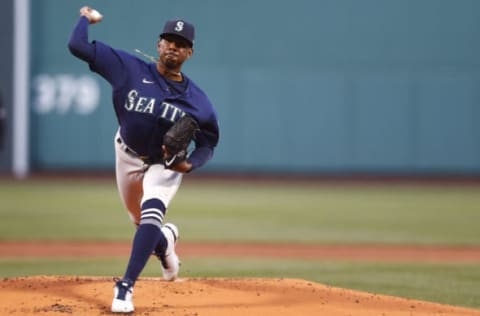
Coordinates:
(66,209)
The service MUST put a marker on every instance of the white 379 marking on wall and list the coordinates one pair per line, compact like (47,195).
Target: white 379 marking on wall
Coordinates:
(65,93)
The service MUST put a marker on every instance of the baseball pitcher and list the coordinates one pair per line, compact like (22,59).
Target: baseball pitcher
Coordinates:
(160,111)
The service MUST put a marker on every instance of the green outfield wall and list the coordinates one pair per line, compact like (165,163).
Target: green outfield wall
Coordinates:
(6,86)
(334,86)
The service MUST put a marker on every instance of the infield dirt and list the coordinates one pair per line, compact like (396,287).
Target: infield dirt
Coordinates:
(84,295)
(53,295)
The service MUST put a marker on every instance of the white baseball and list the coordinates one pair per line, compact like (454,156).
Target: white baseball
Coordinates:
(95,15)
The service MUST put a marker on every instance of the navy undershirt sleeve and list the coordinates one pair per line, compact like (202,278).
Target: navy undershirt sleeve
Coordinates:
(102,59)
(205,143)
(78,43)
(200,156)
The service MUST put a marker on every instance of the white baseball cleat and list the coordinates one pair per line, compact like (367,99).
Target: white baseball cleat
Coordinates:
(122,297)
(169,260)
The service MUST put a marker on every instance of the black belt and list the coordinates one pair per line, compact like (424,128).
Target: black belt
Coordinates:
(131,152)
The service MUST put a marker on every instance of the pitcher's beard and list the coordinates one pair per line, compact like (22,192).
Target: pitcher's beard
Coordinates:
(171,64)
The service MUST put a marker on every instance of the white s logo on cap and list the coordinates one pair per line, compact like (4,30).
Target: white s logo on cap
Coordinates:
(179,26)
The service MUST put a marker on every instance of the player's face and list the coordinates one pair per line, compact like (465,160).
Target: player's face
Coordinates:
(173,51)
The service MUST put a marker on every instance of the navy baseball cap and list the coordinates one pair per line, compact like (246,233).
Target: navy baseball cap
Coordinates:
(180,28)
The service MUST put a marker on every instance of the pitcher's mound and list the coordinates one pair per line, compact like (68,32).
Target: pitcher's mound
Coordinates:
(50,295)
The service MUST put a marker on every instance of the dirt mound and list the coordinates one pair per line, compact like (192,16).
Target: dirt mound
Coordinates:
(50,295)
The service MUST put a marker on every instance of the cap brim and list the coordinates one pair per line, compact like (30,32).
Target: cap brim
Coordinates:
(178,35)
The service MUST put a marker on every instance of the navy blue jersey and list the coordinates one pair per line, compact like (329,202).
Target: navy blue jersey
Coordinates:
(146,103)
